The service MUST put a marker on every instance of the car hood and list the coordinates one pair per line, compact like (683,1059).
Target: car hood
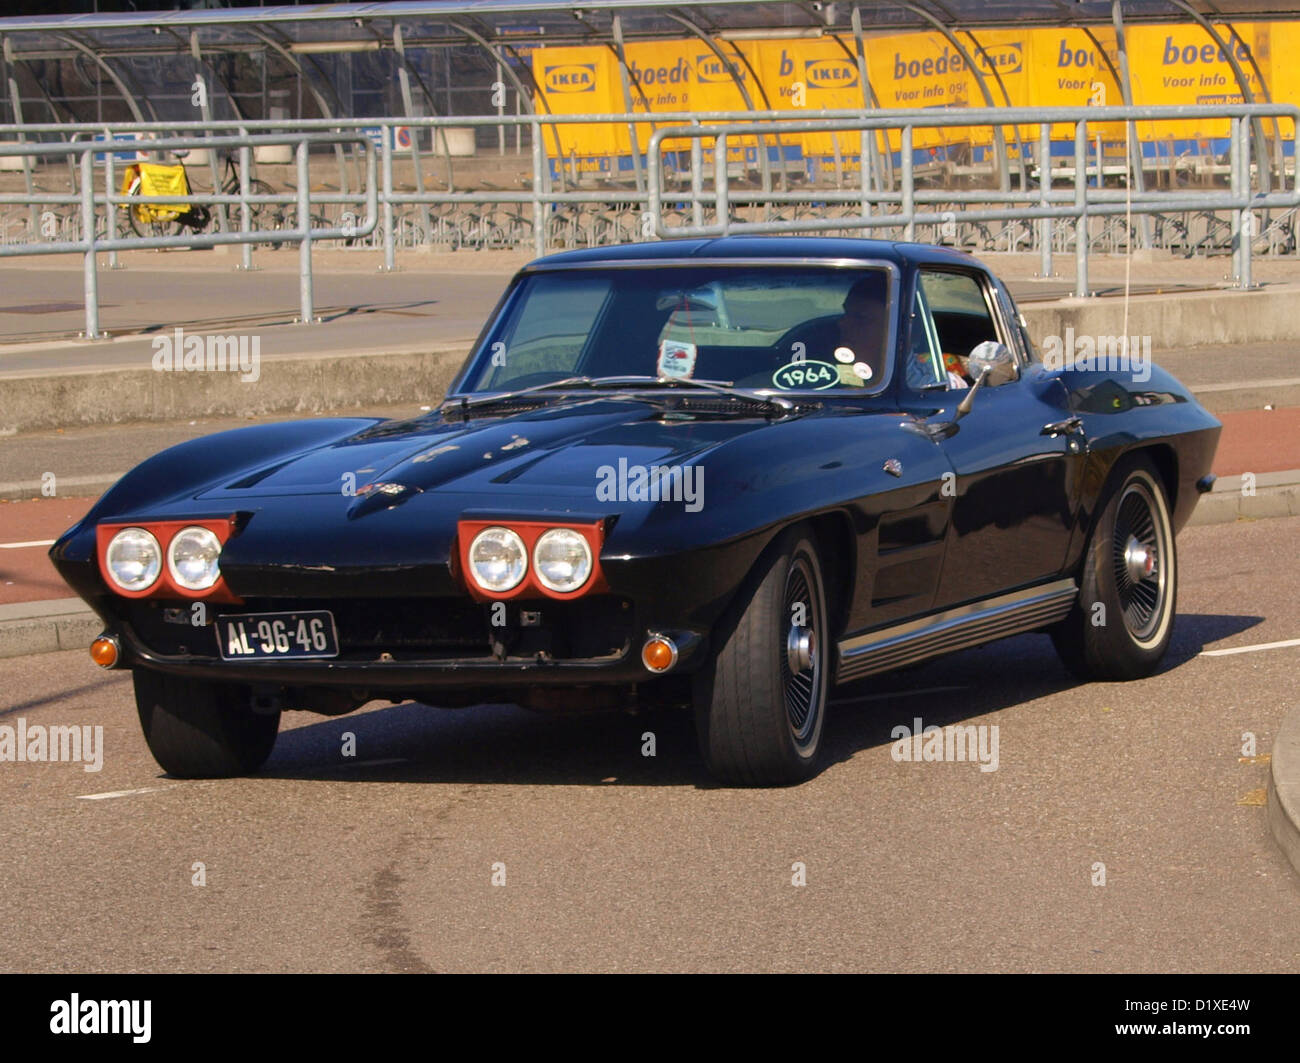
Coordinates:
(560,448)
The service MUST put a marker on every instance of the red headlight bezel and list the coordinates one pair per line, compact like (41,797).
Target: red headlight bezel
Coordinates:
(529,531)
(164,531)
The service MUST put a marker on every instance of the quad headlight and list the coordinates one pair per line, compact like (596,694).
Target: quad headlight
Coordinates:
(192,558)
(562,560)
(134,559)
(498,559)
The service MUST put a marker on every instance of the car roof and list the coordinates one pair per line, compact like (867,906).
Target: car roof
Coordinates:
(792,248)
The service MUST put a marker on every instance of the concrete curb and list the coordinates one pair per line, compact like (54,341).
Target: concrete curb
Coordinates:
(42,627)
(1275,494)
(324,384)
(1261,316)
(70,486)
(1284,788)
(66,623)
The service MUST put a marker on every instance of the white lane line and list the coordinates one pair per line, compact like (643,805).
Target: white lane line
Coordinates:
(896,694)
(1250,649)
(121,793)
(19,546)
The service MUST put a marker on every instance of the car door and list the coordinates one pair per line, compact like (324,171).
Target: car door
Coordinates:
(1015,456)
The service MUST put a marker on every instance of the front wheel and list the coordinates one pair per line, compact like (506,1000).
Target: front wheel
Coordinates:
(1122,624)
(761,701)
(199,730)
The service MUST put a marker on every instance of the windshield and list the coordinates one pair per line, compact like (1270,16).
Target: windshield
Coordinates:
(785,328)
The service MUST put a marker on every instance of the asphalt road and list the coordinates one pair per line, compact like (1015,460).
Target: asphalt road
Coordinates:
(616,861)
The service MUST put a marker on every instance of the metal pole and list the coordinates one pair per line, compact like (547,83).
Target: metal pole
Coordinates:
(697,180)
(16,102)
(868,176)
(721,190)
(386,166)
(625,80)
(408,104)
(1081,207)
(110,208)
(1044,190)
(214,166)
(245,215)
(1135,145)
(304,245)
(909,186)
(1247,226)
(539,187)
(89,275)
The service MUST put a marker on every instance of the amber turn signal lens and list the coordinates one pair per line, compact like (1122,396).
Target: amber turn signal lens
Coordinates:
(104,651)
(658,654)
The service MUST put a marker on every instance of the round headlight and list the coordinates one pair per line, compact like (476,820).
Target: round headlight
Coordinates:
(498,559)
(562,560)
(134,559)
(192,558)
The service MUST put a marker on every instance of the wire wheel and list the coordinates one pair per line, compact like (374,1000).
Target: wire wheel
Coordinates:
(1139,548)
(799,655)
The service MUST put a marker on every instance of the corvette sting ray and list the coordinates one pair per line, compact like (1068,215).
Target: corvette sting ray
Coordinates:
(717,475)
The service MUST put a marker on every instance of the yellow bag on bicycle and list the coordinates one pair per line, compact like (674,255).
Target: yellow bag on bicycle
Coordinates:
(154,179)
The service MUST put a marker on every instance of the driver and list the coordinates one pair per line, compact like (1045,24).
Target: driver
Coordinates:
(859,339)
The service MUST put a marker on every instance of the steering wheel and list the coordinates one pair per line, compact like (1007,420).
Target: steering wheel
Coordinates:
(814,335)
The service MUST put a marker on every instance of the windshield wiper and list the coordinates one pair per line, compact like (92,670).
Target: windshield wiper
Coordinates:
(721,387)
(466,403)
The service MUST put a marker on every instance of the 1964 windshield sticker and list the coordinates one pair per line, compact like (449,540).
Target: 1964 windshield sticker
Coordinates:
(806,376)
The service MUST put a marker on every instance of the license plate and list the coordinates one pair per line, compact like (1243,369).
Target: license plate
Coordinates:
(277,636)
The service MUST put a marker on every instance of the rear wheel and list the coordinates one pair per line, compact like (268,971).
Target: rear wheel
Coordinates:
(198,730)
(1122,624)
(760,704)
(143,220)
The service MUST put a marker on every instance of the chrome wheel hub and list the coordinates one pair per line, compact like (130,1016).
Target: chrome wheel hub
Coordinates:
(800,647)
(1139,559)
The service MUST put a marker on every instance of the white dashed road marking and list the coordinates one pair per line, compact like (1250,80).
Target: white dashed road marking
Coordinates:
(121,793)
(1250,649)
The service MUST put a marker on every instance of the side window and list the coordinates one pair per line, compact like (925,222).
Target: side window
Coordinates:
(960,311)
(924,364)
(1020,341)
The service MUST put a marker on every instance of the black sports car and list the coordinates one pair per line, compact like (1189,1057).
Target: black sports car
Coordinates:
(720,474)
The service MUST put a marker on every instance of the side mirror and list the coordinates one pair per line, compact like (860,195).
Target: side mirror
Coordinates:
(993,362)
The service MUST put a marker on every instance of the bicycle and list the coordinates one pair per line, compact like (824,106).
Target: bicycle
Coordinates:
(171,219)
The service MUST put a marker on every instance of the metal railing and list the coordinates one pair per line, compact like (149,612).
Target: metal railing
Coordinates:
(888,193)
(90,245)
(1044,204)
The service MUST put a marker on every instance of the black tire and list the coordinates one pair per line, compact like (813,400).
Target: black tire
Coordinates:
(1123,621)
(760,703)
(199,730)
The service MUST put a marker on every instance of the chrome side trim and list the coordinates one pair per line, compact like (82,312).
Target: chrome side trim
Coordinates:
(954,629)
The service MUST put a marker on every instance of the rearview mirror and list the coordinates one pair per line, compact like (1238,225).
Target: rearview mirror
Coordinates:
(994,362)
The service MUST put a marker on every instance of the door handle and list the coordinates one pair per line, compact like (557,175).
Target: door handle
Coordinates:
(1063,428)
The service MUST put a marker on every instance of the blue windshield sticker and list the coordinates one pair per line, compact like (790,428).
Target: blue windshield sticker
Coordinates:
(806,376)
